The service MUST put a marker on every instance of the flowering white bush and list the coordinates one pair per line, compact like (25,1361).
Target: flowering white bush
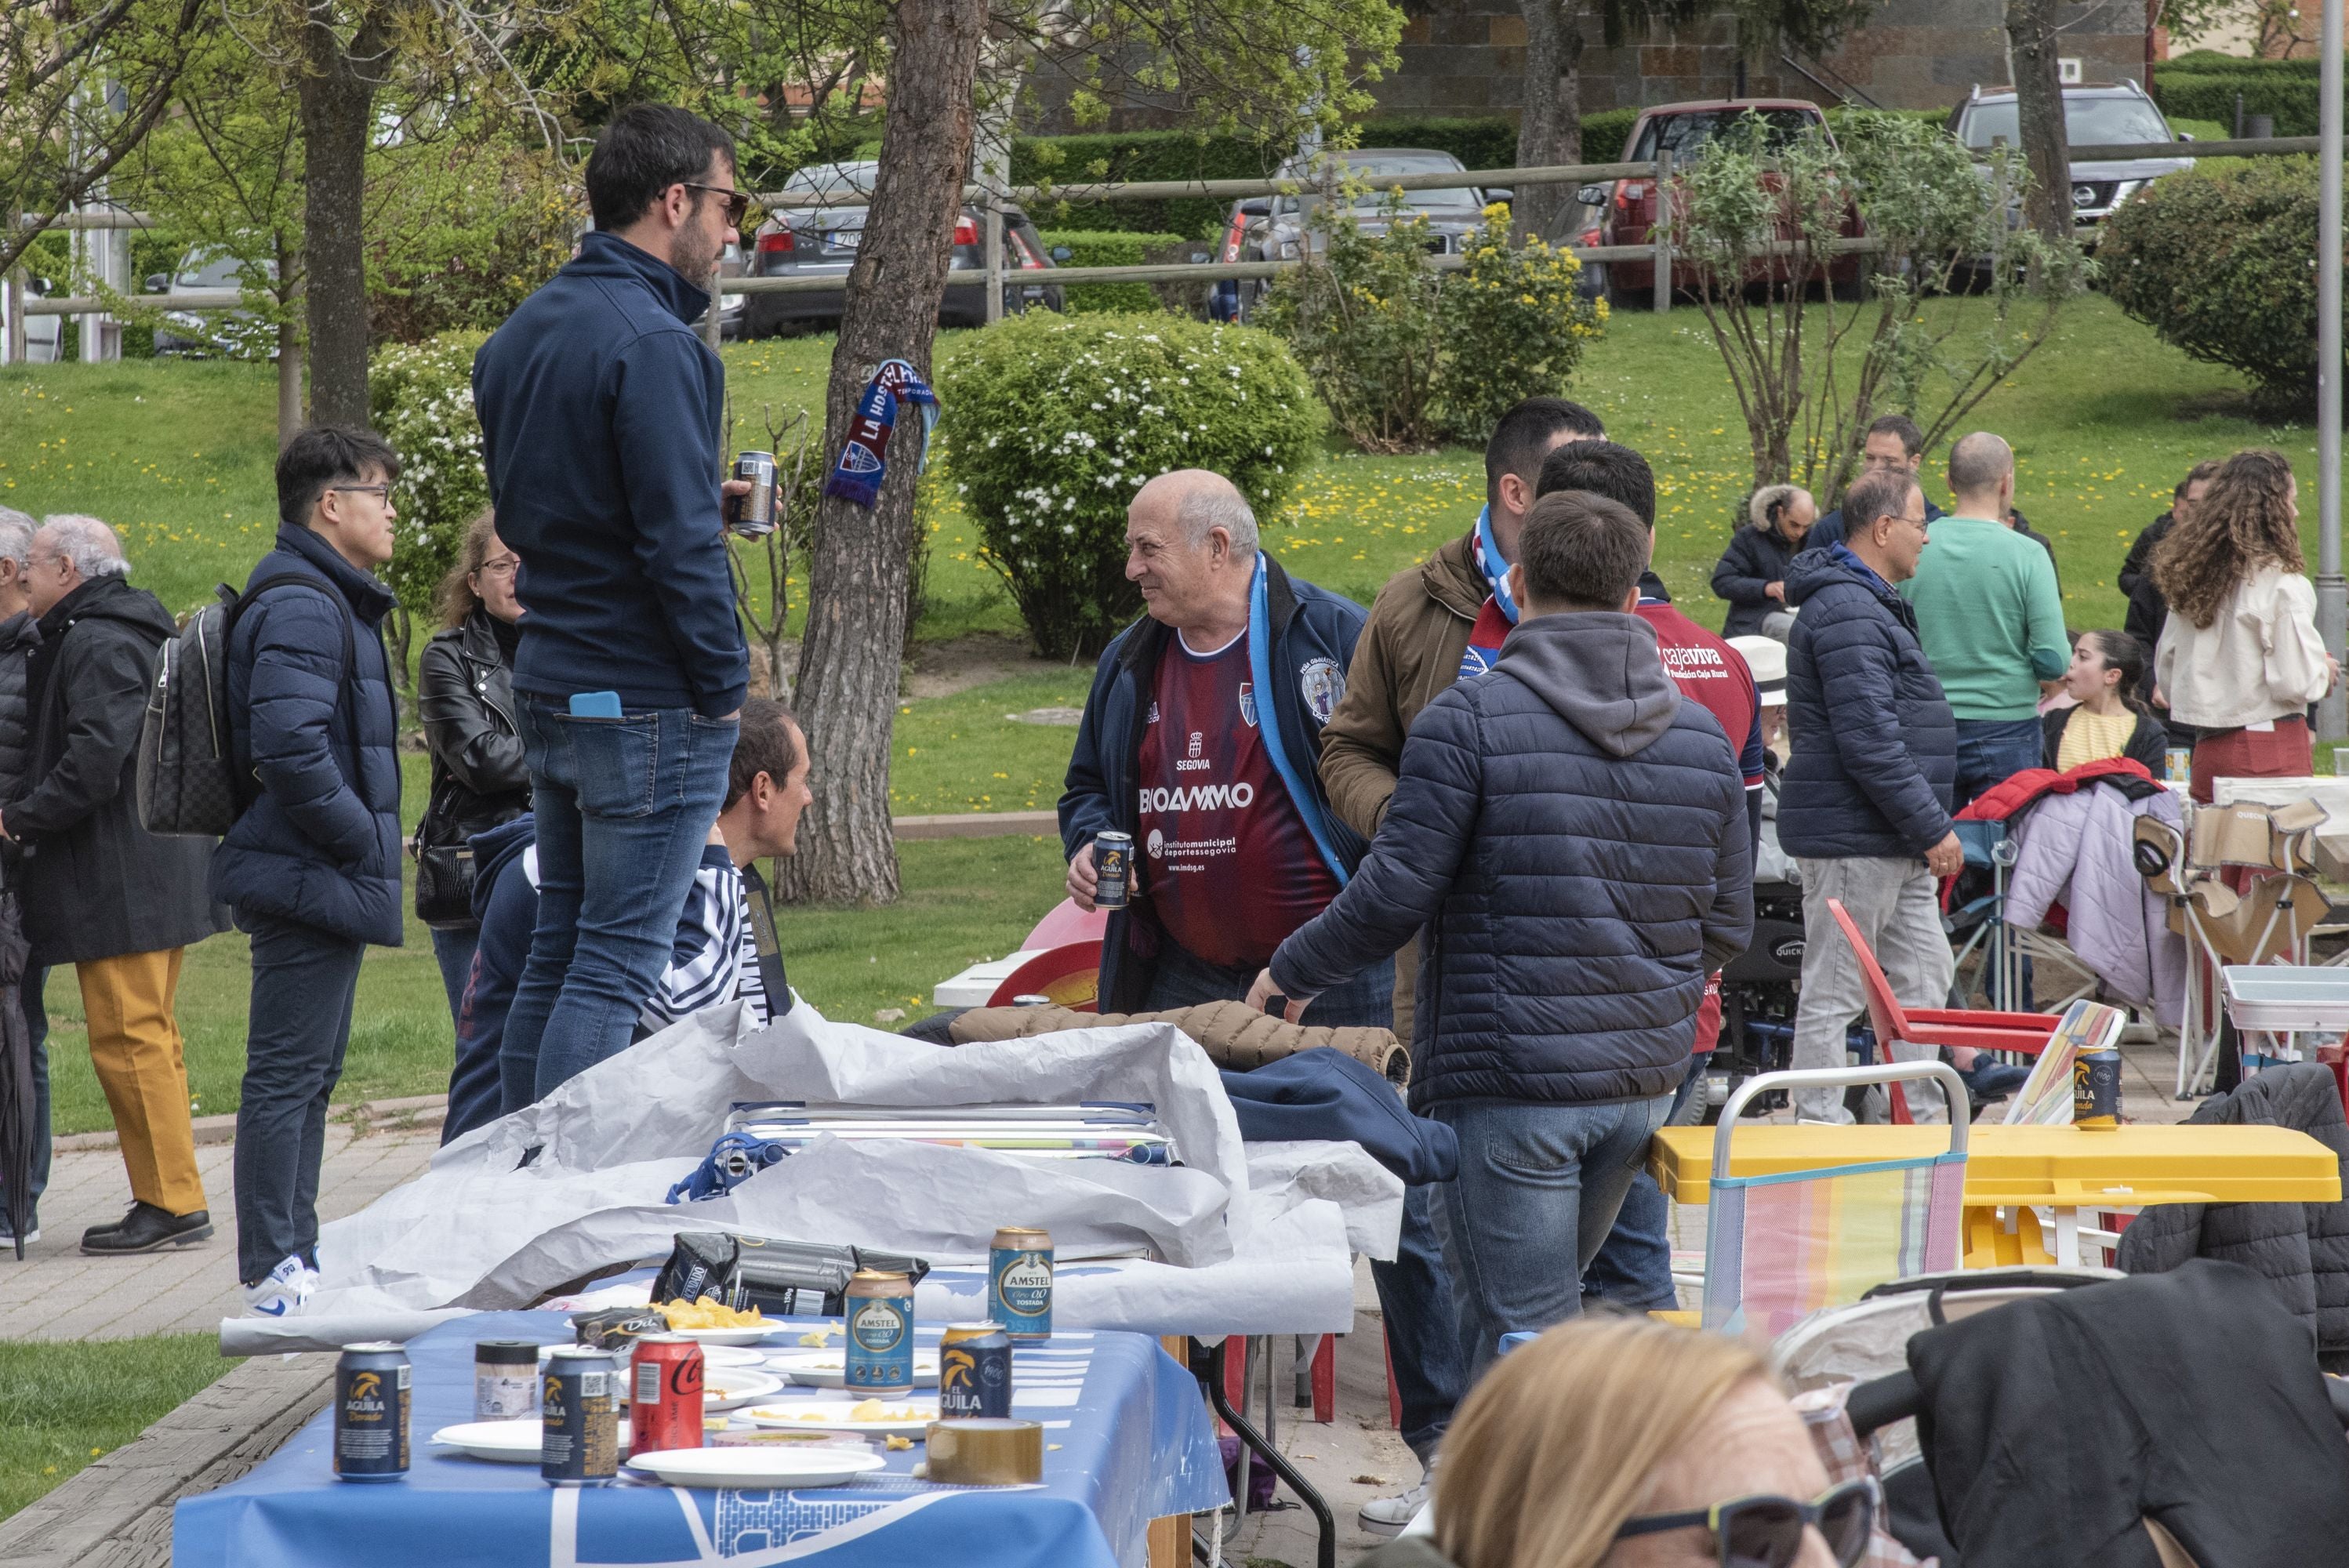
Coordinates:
(421,398)
(1048,425)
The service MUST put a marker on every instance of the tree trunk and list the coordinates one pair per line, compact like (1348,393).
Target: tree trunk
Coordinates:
(858,566)
(1551,128)
(289,382)
(2039,116)
(337,92)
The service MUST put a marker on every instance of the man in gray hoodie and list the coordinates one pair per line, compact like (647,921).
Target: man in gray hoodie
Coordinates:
(1572,834)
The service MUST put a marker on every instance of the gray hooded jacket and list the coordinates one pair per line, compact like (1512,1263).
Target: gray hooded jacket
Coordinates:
(1571,835)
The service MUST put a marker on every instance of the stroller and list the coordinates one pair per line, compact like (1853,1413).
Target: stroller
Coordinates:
(1947,1497)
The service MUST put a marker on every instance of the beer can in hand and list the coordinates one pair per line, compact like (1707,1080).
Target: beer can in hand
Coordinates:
(665,1405)
(580,1407)
(974,1371)
(1112,870)
(371,1412)
(753,516)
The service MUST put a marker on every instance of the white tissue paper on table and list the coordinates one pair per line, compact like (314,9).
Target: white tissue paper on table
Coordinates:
(1261,1232)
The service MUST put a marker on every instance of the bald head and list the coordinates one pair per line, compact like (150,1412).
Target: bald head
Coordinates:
(1191,548)
(1982,476)
(1196,501)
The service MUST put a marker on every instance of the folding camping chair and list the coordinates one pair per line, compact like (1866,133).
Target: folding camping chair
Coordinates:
(1779,1247)
(2023,1034)
(2010,956)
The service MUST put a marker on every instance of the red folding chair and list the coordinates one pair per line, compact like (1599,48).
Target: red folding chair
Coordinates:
(2025,1034)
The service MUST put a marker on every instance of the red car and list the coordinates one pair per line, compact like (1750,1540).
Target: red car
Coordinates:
(1623,212)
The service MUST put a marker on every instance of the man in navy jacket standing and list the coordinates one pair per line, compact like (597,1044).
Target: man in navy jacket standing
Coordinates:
(600,414)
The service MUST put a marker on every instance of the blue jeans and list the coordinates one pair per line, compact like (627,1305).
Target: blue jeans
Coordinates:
(1634,1269)
(1538,1192)
(624,806)
(453,951)
(1414,1293)
(1992,750)
(297,1028)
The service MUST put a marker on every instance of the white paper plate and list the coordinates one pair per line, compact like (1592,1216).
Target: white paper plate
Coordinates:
(750,1336)
(732,1356)
(829,1368)
(755,1468)
(732,1388)
(503,1443)
(904,1415)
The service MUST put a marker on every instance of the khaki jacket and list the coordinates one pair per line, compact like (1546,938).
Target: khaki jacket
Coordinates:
(1233,1034)
(1409,651)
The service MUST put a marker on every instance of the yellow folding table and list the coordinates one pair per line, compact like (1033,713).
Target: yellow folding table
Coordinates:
(2012,1170)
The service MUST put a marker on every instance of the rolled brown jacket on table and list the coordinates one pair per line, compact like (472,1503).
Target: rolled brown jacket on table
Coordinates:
(1234,1035)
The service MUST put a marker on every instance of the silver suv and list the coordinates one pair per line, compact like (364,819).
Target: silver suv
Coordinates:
(2099,114)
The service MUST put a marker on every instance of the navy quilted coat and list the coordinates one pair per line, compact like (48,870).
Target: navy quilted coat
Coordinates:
(1572,836)
(321,843)
(1874,758)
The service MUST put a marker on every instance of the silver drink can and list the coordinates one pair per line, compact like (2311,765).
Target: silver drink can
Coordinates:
(753,516)
(1113,869)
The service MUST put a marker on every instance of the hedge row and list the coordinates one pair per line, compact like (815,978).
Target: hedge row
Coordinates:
(1108,248)
(2204,85)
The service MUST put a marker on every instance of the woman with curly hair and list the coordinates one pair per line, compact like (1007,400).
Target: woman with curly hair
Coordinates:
(464,695)
(2239,659)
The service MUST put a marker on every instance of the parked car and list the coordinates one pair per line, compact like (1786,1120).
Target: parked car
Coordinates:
(1286,228)
(1623,212)
(203,334)
(2094,114)
(821,242)
(731,308)
(45,335)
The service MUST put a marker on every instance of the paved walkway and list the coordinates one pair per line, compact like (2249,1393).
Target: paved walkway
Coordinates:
(57,1294)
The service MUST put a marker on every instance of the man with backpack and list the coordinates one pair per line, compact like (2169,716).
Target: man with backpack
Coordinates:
(312,865)
(97,891)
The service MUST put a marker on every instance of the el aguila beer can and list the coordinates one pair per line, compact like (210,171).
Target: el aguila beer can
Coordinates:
(665,1406)
(1112,870)
(1020,1282)
(371,1412)
(880,1308)
(974,1371)
(579,1403)
(2097,1090)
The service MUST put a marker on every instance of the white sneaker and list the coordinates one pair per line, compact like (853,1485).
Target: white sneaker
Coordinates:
(284,1291)
(1390,1514)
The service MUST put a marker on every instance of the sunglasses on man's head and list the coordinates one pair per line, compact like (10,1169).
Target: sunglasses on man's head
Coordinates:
(1767,1531)
(737,203)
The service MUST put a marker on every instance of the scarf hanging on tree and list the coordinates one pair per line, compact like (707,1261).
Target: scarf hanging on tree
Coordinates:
(865,460)
(1500,611)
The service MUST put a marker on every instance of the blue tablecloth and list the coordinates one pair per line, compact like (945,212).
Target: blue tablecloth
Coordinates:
(1135,1442)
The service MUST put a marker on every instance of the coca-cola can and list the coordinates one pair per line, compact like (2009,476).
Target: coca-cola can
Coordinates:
(664,1400)
(753,515)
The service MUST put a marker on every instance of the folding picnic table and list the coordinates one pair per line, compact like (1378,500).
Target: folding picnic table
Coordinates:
(2018,1169)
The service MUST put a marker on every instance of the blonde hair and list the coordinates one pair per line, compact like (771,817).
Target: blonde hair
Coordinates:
(455,598)
(1547,1460)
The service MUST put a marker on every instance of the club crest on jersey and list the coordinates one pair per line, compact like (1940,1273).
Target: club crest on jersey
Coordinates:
(1248,702)
(1320,683)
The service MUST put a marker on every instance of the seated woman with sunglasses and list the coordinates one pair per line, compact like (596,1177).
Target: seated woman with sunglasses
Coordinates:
(1618,1443)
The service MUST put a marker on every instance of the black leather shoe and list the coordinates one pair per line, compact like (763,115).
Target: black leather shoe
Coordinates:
(145,1228)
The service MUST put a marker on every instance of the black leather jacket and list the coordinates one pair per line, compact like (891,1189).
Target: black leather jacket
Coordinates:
(464,694)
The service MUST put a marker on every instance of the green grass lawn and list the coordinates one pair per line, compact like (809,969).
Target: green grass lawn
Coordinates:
(178,455)
(63,1404)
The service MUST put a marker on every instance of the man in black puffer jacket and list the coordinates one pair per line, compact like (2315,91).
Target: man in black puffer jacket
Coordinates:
(18,638)
(98,891)
(1864,807)
(1571,834)
(311,868)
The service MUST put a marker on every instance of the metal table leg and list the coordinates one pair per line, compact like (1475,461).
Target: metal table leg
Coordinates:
(1251,1439)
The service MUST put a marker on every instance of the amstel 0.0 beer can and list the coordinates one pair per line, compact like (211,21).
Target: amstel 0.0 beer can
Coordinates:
(974,1371)
(665,1406)
(1020,1282)
(371,1412)
(579,1401)
(880,1308)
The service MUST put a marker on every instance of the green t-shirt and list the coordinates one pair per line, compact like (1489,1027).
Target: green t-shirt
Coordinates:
(1990,616)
